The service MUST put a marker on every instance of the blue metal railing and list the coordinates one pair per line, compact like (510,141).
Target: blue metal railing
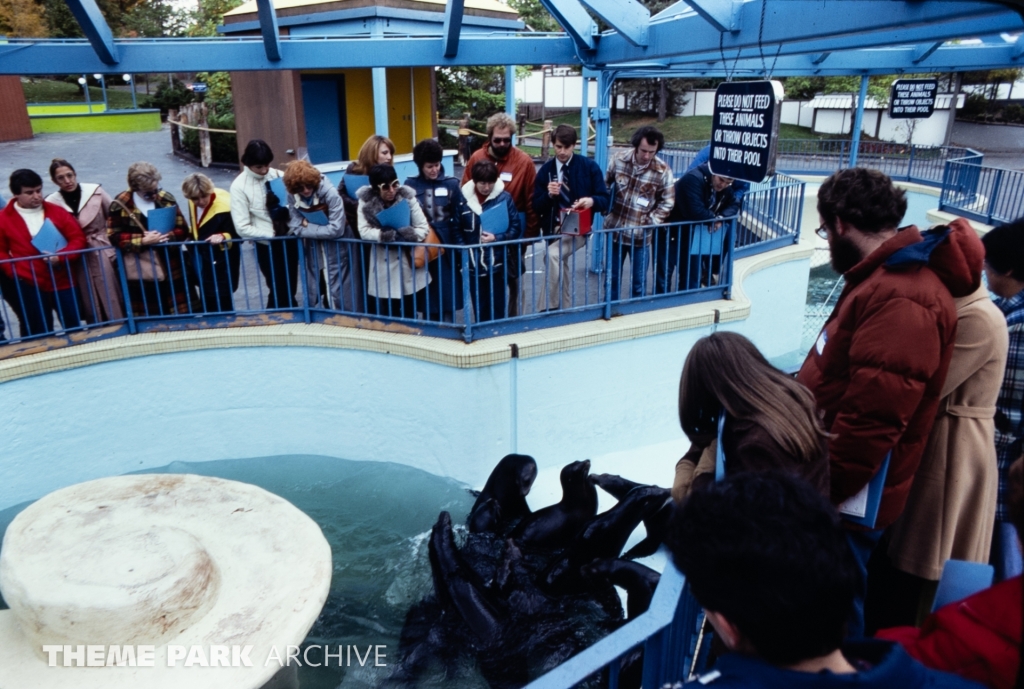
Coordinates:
(987,194)
(666,632)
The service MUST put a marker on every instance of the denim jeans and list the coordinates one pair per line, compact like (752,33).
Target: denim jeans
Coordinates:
(37,306)
(638,259)
(1006,556)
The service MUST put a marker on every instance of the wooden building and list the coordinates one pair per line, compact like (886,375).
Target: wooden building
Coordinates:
(14,121)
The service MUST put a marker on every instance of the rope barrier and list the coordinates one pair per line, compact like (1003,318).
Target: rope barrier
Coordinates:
(205,129)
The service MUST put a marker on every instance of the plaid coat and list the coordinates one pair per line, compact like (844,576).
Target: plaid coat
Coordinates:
(639,198)
(1010,405)
(123,228)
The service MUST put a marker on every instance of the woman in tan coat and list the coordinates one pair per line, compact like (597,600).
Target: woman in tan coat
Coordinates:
(951,508)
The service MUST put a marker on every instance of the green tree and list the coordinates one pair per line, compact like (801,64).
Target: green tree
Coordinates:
(480,91)
(23,18)
(805,88)
(534,15)
(153,19)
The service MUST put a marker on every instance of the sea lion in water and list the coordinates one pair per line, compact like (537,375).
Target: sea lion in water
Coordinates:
(638,580)
(555,526)
(656,524)
(503,499)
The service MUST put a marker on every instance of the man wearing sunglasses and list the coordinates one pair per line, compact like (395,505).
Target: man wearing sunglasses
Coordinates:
(518,173)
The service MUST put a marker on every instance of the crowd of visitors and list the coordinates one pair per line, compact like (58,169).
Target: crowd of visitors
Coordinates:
(192,262)
(816,512)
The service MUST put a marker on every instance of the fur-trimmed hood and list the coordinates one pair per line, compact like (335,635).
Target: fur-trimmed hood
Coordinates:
(469,192)
(372,203)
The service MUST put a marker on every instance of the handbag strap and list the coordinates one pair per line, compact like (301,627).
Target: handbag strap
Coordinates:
(131,214)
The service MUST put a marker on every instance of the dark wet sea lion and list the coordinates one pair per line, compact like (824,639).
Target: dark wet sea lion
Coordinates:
(507,487)
(555,526)
(457,586)
(656,524)
(604,536)
(638,580)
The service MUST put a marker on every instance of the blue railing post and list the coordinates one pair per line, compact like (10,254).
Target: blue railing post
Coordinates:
(607,259)
(467,298)
(910,163)
(305,278)
(944,191)
(842,153)
(123,279)
(996,186)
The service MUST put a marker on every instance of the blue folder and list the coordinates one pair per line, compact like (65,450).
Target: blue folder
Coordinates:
(870,497)
(277,186)
(162,219)
(495,219)
(315,217)
(396,217)
(49,240)
(355,182)
(704,242)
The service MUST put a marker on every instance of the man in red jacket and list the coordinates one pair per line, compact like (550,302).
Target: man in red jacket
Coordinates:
(35,288)
(877,368)
(518,173)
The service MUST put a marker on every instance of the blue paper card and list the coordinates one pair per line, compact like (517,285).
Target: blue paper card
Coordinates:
(355,182)
(277,186)
(49,240)
(495,219)
(862,508)
(314,217)
(396,217)
(704,242)
(162,219)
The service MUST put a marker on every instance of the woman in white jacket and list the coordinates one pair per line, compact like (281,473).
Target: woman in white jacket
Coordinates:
(331,264)
(258,214)
(395,286)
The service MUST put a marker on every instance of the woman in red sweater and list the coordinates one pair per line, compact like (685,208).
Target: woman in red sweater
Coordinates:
(979,637)
(36,288)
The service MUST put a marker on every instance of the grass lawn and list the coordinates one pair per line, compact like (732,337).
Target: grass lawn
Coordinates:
(50,91)
(683,128)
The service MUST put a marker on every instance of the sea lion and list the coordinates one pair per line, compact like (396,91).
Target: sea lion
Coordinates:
(656,524)
(458,587)
(604,536)
(638,580)
(503,499)
(555,526)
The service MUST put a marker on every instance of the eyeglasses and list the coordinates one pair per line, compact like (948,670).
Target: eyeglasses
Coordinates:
(392,185)
(150,195)
(822,232)
(501,140)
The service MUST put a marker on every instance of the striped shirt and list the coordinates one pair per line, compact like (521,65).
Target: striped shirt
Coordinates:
(1010,405)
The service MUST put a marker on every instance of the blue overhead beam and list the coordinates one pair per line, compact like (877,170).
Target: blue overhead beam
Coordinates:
(628,17)
(922,52)
(679,8)
(24,56)
(818,58)
(575,20)
(373,12)
(723,15)
(452,26)
(268,28)
(95,28)
(793,21)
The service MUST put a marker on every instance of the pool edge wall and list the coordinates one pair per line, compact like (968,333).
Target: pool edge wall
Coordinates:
(144,401)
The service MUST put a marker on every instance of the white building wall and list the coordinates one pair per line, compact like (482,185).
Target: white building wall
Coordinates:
(927,132)
(790,112)
(806,116)
(832,122)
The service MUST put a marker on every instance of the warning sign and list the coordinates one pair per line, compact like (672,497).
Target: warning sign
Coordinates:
(745,129)
(912,98)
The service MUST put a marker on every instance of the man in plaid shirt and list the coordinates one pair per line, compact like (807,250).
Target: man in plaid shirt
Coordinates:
(643,195)
(1004,270)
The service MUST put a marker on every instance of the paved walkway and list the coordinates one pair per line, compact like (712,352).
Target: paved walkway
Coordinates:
(102,159)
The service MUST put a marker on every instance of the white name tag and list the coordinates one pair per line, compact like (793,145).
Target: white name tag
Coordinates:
(820,345)
(505,176)
(642,201)
(441,191)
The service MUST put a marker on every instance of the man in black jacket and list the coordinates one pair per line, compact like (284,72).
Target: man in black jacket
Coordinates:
(700,195)
(567,181)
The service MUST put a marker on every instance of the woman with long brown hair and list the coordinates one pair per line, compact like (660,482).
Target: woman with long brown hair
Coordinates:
(771,422)
(376,150)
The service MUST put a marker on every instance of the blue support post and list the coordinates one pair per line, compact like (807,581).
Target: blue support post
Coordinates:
(84,81)
(131,80)
(603,128)
(95,28)
(858,120)
(584,120)
(269,30)
(510,90)
(453,12)
(380,101)
(103,89)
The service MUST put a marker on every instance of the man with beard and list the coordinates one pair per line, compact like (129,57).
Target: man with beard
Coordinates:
(878,365)
(518,174)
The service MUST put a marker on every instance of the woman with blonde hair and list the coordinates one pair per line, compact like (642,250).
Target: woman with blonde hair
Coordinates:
(332,268)
(156,277)
(214,264)
(771,422)
(96,274)
(376,150)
